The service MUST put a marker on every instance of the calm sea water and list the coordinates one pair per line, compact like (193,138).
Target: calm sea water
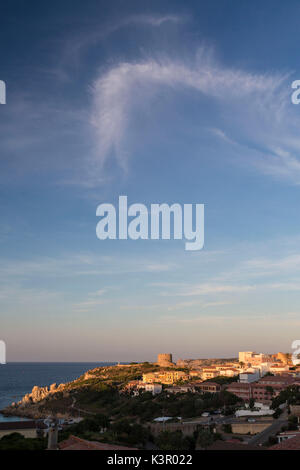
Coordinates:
(18,378)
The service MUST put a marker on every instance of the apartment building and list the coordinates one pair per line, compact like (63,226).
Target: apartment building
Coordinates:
(241,390)
(264,389)
(165,377)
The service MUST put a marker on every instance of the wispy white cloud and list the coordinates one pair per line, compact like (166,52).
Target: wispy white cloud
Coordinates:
(289,263)
(84,264)
(94,299)
(240,322)
(159,267)
(217,291)
(208,289)
(260,126)
(217,303)
(116,92)
(74,47)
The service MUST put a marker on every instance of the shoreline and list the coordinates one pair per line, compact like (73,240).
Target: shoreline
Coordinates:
(7,418)
(29,413)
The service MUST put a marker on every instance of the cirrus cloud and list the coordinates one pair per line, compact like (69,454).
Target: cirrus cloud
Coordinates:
(114,94)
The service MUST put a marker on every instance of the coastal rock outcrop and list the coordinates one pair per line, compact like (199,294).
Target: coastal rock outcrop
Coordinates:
(40,393)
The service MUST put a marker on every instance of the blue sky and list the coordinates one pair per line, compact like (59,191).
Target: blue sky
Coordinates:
(185,102)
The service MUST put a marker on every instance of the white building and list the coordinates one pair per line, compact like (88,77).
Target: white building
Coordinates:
(251,375)
(259,410)
(155,389)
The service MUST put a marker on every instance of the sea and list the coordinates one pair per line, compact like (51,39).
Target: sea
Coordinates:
(18,378)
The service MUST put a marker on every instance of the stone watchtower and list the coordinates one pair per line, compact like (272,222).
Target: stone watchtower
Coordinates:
(165,360)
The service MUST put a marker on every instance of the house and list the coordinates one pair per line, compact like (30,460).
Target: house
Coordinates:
(210,373)
(208,386)
(283,436)
(288,444)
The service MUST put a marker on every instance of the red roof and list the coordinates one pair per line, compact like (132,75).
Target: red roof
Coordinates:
(293,443)
(76,443)
(238,386)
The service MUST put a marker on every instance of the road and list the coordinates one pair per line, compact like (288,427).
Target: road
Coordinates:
(276,426)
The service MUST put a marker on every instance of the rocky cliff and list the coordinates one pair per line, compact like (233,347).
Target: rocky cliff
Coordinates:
(40,393)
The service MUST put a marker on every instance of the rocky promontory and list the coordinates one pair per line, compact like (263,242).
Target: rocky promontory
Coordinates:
(30,405)
(69,399)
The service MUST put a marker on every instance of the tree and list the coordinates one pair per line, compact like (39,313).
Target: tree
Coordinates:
(227,428)
(292,423)
(102,420)
(16,441)
(129,432)
(167,440)
(204,439)
(277,413)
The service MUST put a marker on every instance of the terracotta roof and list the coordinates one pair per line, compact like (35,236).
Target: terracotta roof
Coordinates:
(238,385)
(76,443)
(289,444)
